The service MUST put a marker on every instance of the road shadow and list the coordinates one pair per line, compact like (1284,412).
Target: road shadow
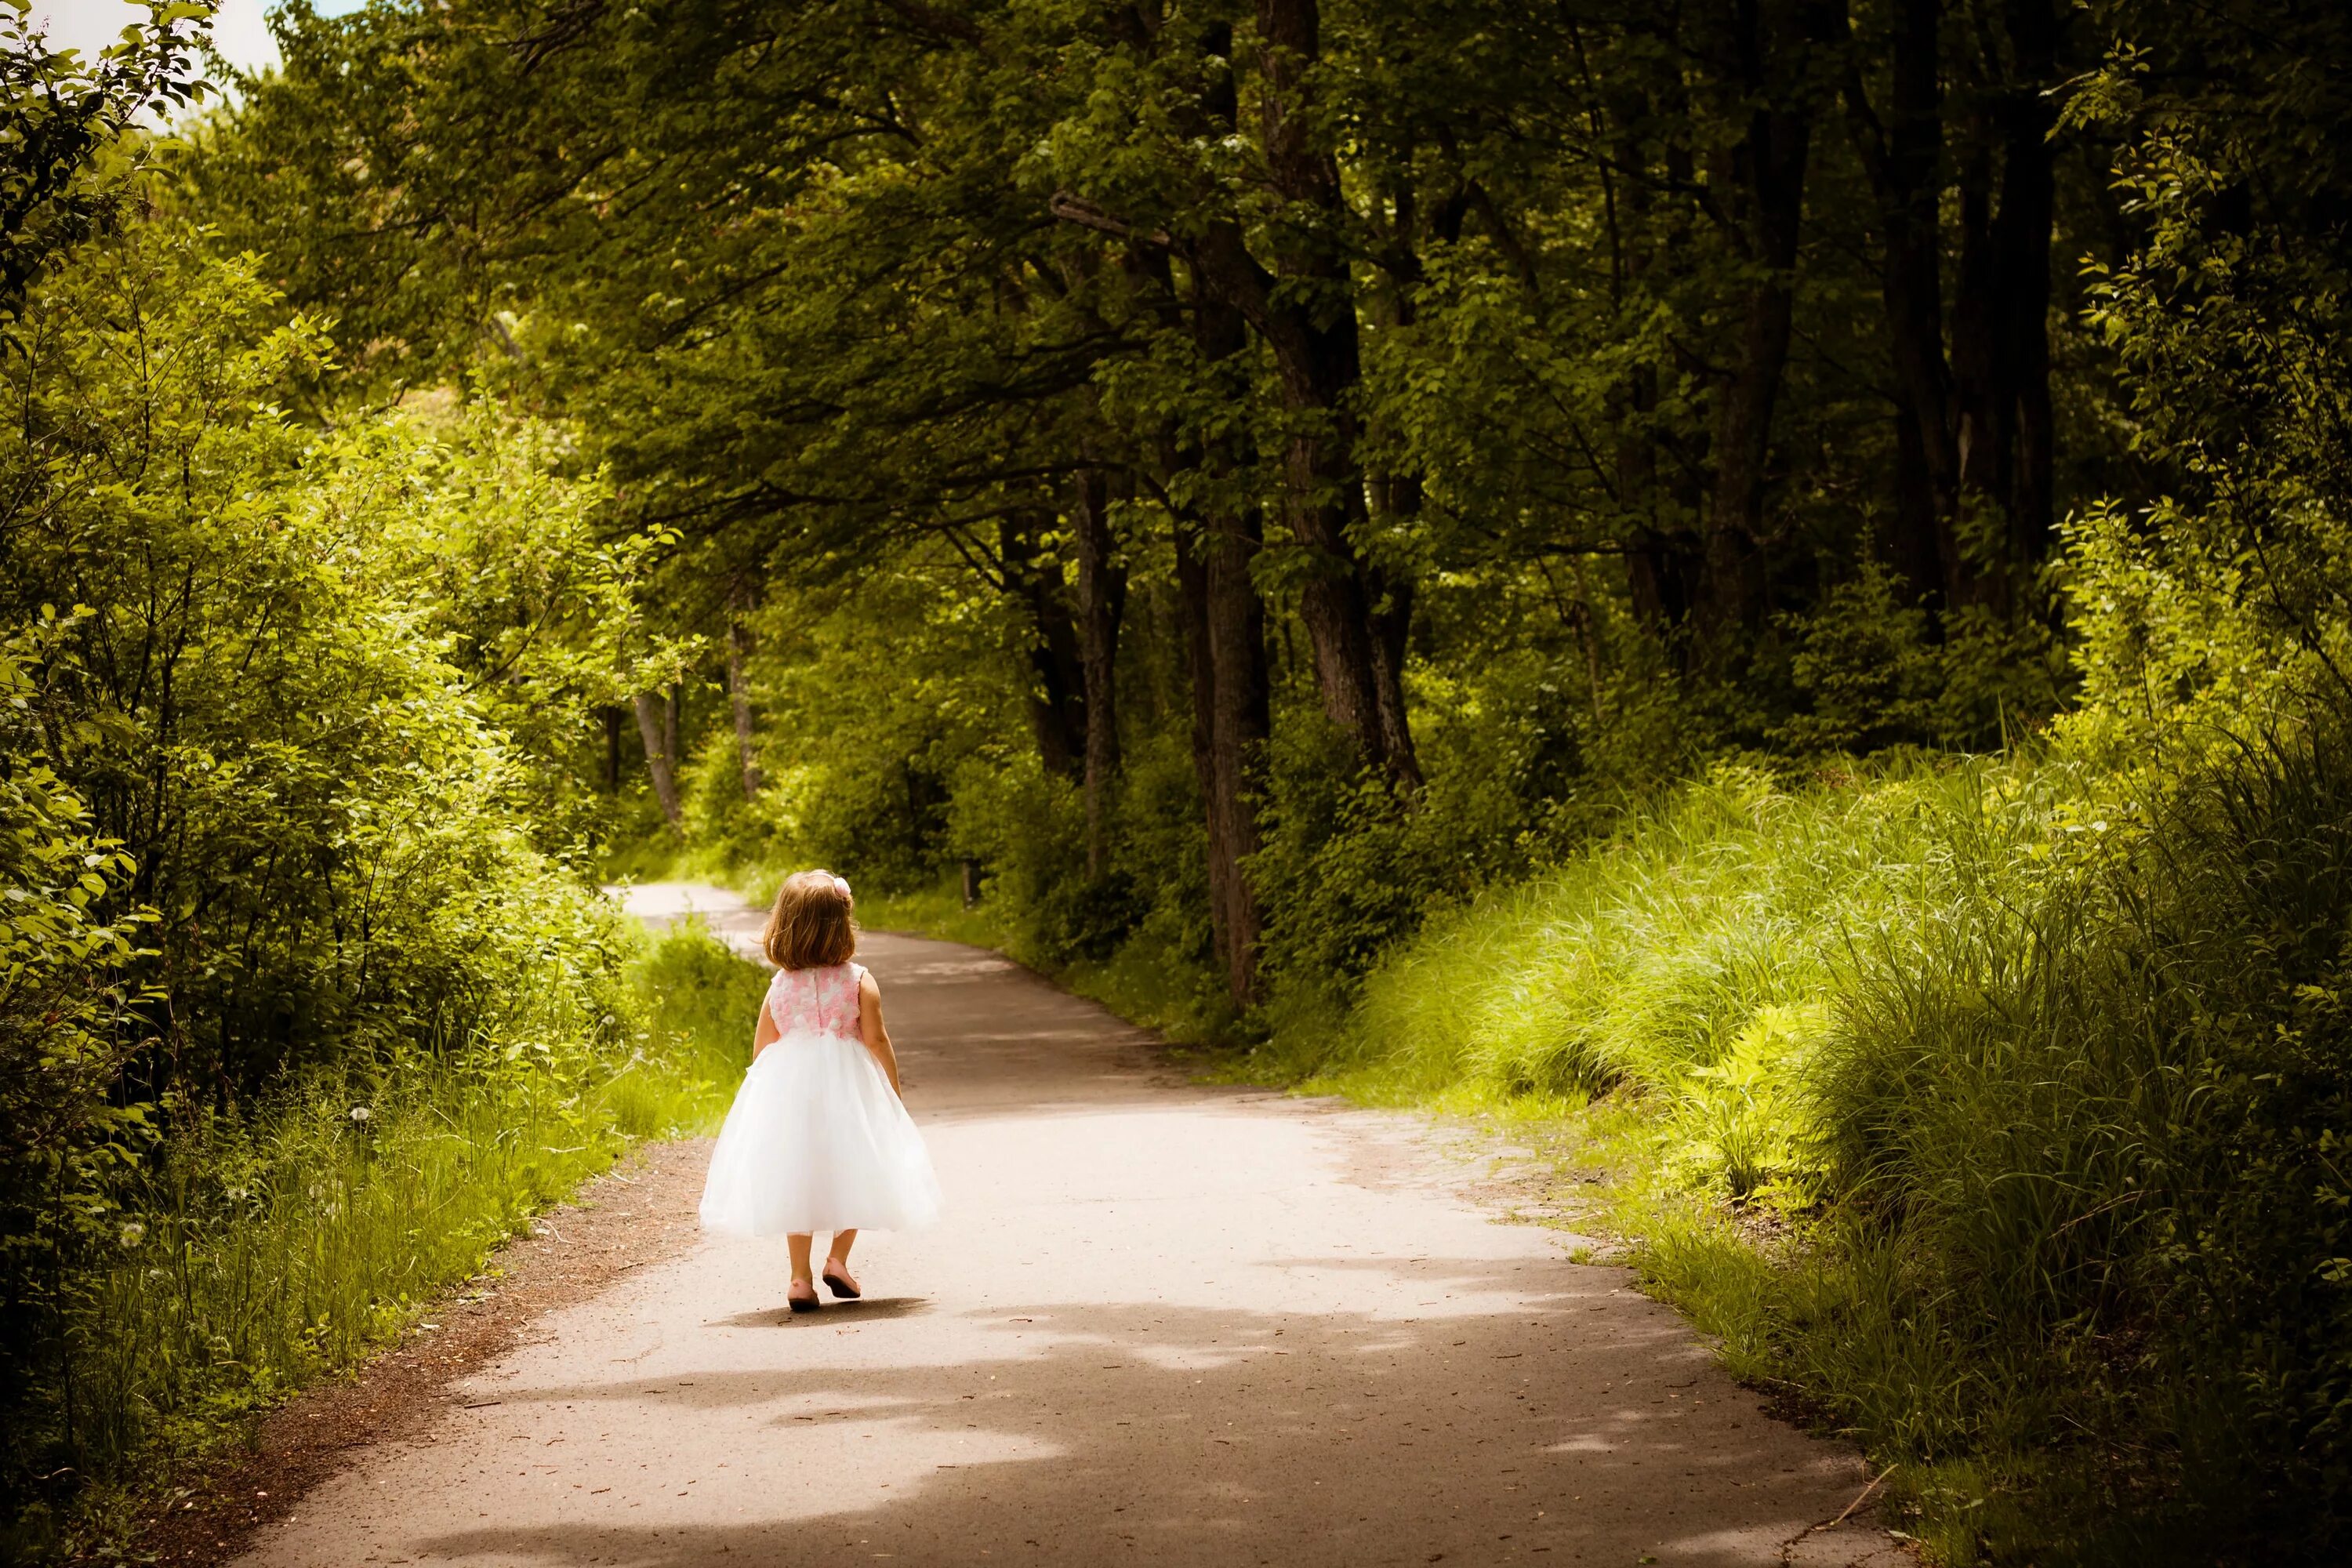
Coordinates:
(1534,1416)
(866,1309)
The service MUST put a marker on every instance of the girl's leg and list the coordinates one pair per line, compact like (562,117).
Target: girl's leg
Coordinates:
(803,1281)
(836,1259)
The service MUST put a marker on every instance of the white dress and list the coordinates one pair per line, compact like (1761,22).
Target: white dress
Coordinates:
(817,1139)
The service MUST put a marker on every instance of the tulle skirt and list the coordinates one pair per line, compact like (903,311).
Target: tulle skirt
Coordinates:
(815,1140)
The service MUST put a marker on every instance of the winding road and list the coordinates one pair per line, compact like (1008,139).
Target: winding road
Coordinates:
(1163,1323)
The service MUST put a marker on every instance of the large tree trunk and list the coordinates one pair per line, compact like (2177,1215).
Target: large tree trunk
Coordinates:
(2001,350)
(1305,309)
(1774,154)
(654,726)
(1225,647)
(1310,326)
(1224,622)
(1904,159)
(2028,202)
(1240,721)
(1225,650)
(1102,600)
(1056,699)
(1977,428)
(1200,668)
(1662,551)
(739,697)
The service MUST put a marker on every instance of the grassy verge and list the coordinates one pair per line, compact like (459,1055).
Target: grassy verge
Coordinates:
(1994,1125)
(265,1252)
(1133,982)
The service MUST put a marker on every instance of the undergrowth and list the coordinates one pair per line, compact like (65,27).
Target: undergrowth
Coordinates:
(1991,1118)
(256,1254)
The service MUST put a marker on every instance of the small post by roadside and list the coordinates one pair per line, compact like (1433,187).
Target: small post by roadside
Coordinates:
(971,882)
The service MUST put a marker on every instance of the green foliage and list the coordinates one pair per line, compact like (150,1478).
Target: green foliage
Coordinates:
(1988,1101)
(288,718)
(246,1255)
(2051,1099)
(70,162)
(2211,609)
(867,694)
(266,699)
(66,1032)
(498,554)
(1717,924)
(2097,1127)
(1874,673)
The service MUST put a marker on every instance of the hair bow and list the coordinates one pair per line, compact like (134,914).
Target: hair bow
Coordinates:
(841,886)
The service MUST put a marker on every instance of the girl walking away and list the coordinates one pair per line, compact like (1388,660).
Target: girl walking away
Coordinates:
(818,1138)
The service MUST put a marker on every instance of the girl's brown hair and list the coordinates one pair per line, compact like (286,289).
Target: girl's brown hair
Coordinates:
(810,928)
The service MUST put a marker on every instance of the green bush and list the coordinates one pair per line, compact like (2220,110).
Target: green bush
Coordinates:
(66,1030)
(2100,1129)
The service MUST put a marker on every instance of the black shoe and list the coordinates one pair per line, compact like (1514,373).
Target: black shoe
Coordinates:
(840,1286)
(802,1303)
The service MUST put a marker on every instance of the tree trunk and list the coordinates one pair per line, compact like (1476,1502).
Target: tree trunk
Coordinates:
(673,721)
(612,717)
(1240,721)
(1774,153)
(654,727)
(1200,667)
(1978,432)
(1310,326)
(1057,713)
(2029,201)
(1225,650)
(1904,160)
(1102,601)
(1225,647)
(739,697)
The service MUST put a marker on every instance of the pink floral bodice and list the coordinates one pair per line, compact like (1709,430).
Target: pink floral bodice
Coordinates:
(816,1001)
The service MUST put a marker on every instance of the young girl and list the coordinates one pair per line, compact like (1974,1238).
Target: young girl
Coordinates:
(818,1138)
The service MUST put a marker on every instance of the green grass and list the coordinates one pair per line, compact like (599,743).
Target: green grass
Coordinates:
(262,1254)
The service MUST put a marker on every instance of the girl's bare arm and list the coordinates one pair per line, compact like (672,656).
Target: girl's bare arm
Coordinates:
(765,1035)
(878,1037)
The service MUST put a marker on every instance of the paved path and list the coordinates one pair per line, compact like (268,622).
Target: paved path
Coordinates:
(1162,1324)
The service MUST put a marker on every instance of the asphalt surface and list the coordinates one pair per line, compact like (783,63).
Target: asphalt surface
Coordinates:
(1161,1323)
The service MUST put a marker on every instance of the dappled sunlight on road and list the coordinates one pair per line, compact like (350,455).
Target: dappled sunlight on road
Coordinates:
(1162,1322)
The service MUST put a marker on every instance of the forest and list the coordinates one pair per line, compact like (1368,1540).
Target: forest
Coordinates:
(1760,587)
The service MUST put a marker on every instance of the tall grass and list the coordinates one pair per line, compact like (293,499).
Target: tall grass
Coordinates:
(1714,931)
(2002,1126)
(255,1254)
